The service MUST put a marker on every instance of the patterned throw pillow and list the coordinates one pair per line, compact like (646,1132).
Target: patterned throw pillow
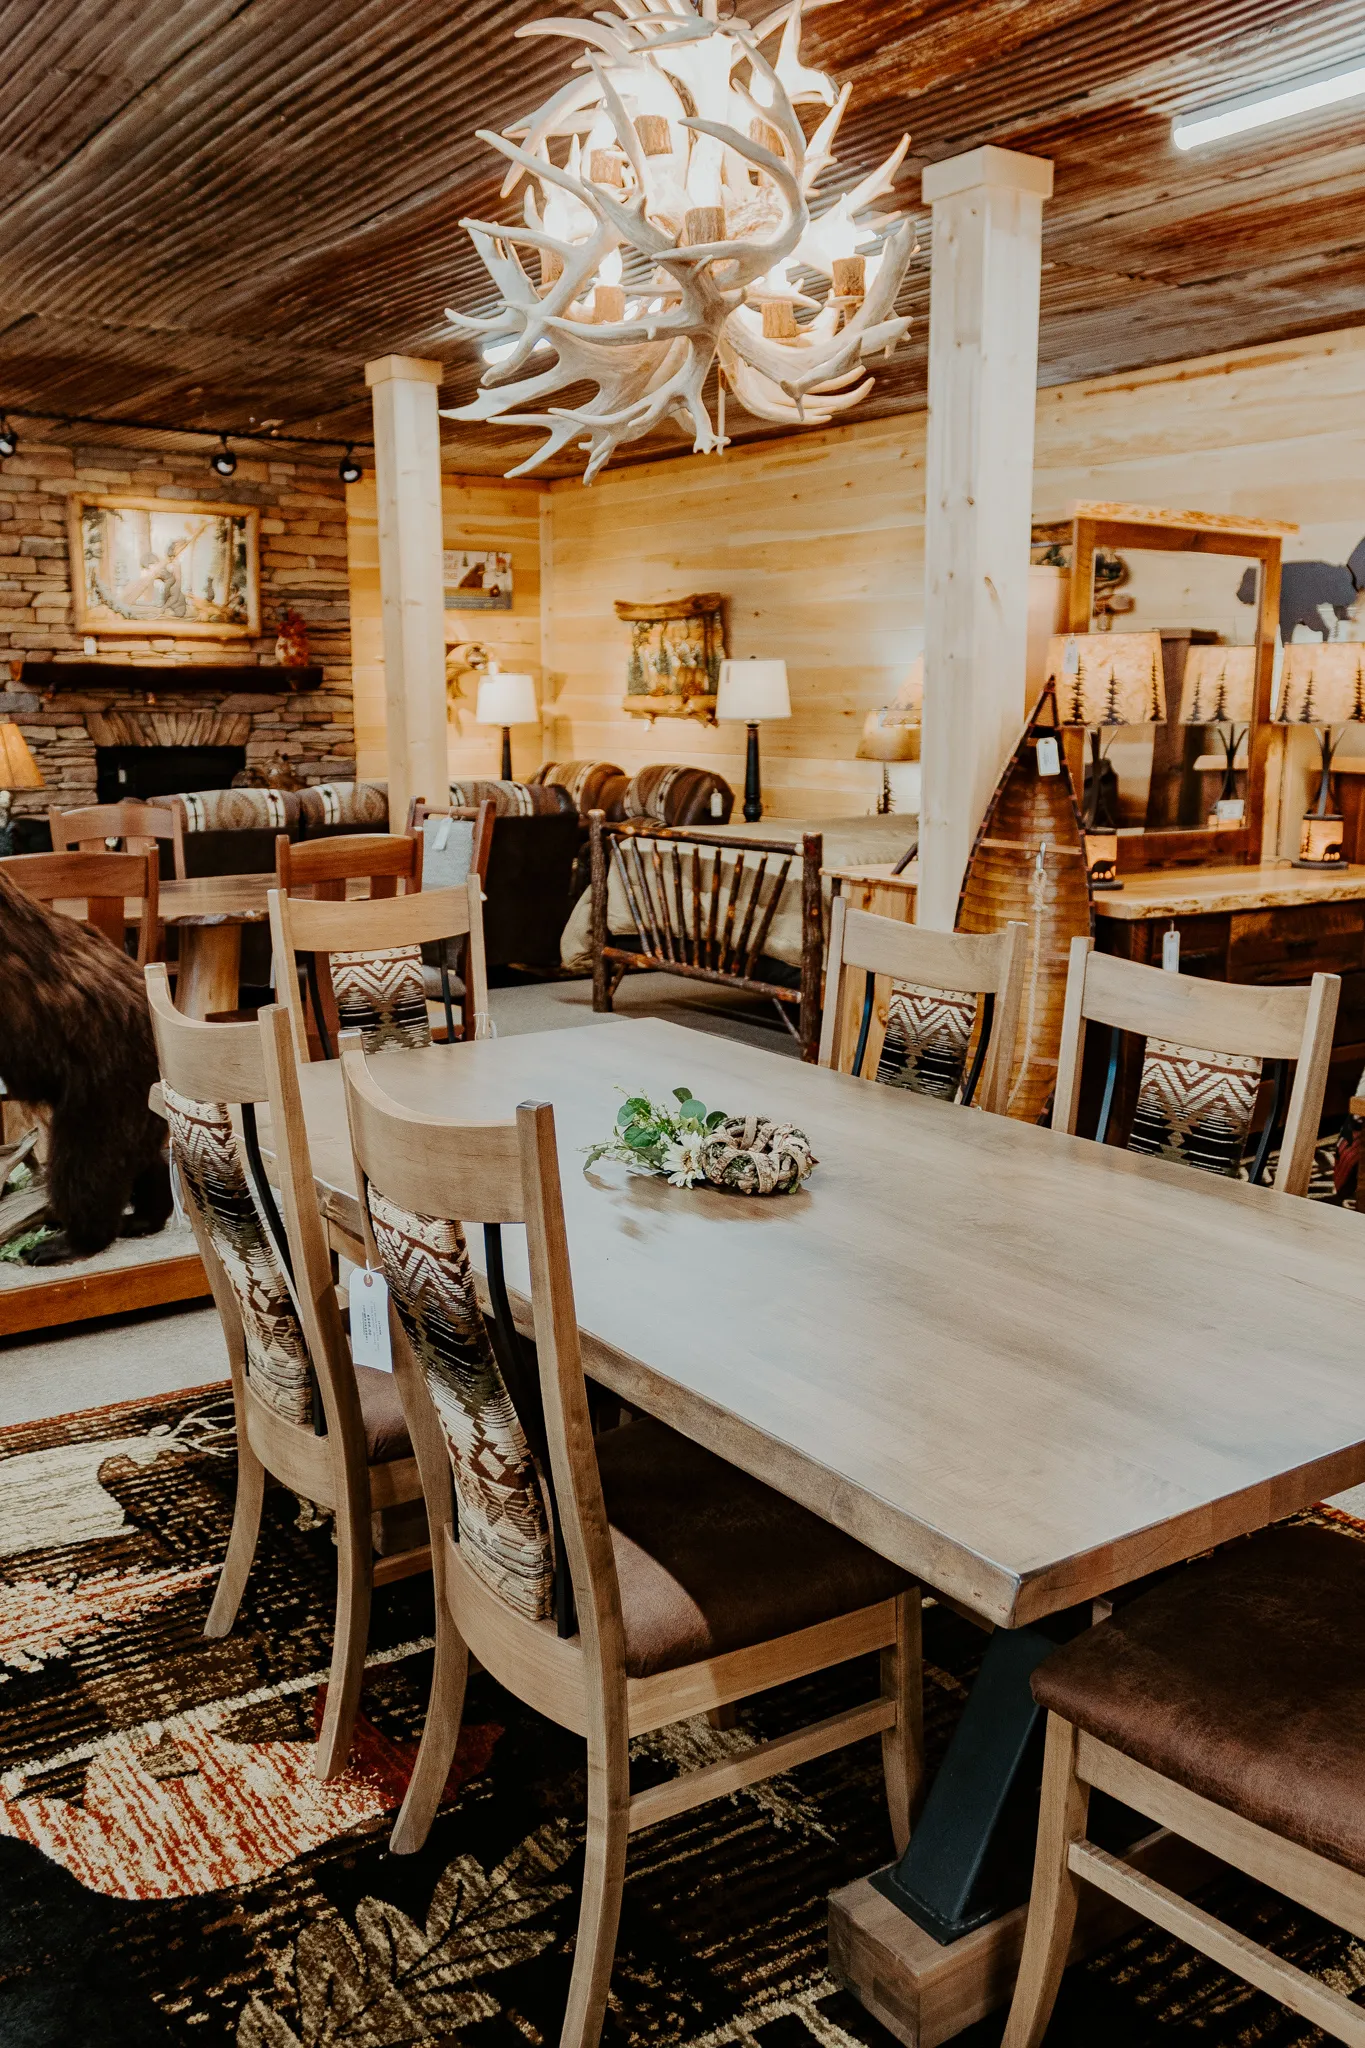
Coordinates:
(1195,1107)
(504,1533)
(928,1031)
(206,1150)
(382,995)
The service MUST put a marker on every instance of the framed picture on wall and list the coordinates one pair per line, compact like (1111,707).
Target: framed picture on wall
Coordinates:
(477,579)
(146,565)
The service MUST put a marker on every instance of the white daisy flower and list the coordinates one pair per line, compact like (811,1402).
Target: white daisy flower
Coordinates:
(682,1161)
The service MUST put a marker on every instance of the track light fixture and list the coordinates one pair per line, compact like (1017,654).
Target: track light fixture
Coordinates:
(348,469)
(222,461)
(9,440)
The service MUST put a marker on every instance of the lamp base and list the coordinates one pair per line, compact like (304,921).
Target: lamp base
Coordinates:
(753,796)
(1319,864)
(506,770)
(1320,843)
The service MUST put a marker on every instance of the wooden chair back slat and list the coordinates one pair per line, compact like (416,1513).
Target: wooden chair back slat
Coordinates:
(432,1165)
(1214,1017)
(140,826)
(104,882)
(955,963)
(326,865)
(316,929)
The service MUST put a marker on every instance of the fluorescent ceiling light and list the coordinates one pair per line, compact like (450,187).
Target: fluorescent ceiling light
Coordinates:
(1257,110)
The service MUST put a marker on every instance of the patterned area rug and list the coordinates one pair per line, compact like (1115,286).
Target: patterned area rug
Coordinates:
(171,1872)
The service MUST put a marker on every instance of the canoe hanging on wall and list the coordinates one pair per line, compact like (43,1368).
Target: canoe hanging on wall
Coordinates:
(1028,867)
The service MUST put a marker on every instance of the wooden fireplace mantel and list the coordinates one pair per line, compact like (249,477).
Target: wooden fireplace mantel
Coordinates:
(224,680)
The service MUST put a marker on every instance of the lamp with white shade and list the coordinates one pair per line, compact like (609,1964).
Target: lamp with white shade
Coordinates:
(1105,679)
(1219,689)
(506,698)
(893,733)
(1323,685)
(748,692)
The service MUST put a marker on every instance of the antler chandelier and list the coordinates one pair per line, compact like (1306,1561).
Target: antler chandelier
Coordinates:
(669,235)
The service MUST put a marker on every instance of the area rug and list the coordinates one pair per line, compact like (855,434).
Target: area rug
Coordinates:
(172,1873)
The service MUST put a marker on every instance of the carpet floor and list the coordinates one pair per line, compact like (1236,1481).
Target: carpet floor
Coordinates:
(172,1873)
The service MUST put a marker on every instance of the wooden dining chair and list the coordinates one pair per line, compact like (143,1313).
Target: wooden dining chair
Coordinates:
(363,964)
(139,828)
(456,843)
(104,882)
(1206,1045)
(1225,1706)
(330,1430)
(323,867)
(616,1584)
(936,982)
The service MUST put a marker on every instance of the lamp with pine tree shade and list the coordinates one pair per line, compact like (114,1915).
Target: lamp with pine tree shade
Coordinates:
(1322,684)
(1219,688)
(1105,679)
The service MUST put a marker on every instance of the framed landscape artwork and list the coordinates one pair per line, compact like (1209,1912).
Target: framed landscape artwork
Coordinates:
(477,579)
(177,571)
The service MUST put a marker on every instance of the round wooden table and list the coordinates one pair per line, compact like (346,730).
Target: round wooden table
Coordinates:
(209,911)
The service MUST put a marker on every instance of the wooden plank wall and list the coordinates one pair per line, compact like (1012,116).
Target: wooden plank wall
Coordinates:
(816,539)
(477,511)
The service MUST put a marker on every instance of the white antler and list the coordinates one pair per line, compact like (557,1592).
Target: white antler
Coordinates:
(688,186)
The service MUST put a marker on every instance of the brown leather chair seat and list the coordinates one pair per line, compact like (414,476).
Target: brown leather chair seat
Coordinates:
(1242,1679)
(710,1560)
(381,1411)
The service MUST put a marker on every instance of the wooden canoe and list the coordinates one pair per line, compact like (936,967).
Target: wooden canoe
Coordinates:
(1028,866)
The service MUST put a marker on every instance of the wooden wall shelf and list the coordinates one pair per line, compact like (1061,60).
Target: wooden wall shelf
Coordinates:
(224,680)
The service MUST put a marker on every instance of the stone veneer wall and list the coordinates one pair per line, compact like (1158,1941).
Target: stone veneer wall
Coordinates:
(303,563)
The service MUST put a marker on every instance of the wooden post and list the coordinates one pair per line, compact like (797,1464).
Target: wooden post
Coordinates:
(407,466)
(812,944)
(983,374)
(601,972)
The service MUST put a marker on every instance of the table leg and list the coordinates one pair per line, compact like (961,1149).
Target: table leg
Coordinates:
(210,968)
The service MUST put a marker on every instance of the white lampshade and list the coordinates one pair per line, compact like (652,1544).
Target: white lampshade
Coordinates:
(506,698)
(751,690)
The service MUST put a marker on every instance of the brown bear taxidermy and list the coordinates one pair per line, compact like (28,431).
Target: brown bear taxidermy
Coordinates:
(76,1037)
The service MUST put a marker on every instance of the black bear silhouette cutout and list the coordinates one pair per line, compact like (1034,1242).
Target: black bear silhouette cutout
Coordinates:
(1306,585)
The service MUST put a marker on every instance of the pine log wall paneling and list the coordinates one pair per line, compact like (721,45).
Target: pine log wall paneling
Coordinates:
(816,540)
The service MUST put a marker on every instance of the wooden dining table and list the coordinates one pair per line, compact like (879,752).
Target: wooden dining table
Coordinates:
(1028,1368)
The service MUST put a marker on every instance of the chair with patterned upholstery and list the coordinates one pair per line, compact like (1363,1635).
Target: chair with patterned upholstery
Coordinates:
(332,1431)
(673,795)
(1207,1043)
(931,986)
(331,808)
(1227,1705)
(591,785)
(363,964)
(616,1584)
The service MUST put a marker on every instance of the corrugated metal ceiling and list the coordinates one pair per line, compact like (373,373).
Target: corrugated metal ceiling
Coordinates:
(215,211)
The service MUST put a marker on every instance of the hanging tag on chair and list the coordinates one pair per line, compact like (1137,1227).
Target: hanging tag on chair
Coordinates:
(1049,762)
(370,1343)
(1071,657)
(1170,950)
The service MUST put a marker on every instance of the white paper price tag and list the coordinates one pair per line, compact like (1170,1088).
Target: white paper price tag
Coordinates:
(370,1319)
(1049,761)
(442,834)
(1170,951)
(1071,658)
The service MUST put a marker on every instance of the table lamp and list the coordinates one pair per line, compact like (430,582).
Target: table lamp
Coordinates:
(1322,684)
(506,698)
(1219,688)
(748,692)
(18,770)
(892,734)
(1105,679)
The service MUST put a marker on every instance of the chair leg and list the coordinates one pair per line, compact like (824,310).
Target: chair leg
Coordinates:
(1052,1908)
(241,1550)
(440,1733)
(903,1745)
(354,1566)
(604,1872)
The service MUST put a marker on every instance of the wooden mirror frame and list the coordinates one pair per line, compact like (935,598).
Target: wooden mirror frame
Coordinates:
(1207,533)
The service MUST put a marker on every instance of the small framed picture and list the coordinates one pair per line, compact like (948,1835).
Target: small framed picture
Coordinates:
(477,579)
(153,566)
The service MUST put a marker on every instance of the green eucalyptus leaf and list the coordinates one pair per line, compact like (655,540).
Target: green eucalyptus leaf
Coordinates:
(717,1116)
(641,1137)
(695,1110)
(683,1094)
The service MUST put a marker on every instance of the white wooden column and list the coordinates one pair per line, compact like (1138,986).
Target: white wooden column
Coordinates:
(983,376)
(407,468)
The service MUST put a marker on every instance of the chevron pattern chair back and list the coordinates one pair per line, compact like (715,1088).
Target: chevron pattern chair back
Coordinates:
(1208,1044)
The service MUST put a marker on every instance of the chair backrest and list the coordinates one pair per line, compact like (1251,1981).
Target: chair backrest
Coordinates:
(937,983)
(483,1407)
(104,882)
(363,962)
(1201,1072)
(456,840)
(138,827)
(268,1265)
(325,866)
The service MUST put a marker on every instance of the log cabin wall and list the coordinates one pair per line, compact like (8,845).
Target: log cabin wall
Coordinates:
(476,512)
(303,548)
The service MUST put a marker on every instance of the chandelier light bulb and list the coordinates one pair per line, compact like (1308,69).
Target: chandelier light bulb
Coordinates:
(651,148)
